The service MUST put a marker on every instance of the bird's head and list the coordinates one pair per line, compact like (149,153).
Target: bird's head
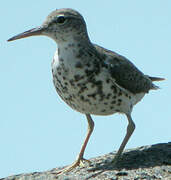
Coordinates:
(62,25)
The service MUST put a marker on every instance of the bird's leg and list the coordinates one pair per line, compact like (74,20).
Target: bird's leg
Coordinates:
(90,128)
(80,160)
(130,130)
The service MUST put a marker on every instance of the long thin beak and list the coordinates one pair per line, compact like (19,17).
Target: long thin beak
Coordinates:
(32,32)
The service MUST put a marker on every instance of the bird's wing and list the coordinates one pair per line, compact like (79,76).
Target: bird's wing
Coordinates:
(124,73)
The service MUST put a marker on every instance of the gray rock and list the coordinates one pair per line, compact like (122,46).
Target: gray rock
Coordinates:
(142,163)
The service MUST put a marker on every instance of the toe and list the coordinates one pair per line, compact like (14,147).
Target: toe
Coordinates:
(84,161)
(78,162)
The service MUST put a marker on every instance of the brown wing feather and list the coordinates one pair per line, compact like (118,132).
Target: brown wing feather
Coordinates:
(125,73)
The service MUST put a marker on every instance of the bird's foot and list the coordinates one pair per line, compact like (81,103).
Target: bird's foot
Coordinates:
(78,162)
(83,162)
(116,159)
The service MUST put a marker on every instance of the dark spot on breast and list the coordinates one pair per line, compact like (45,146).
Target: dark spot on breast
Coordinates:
(119,100)
(88,64)
(58,90)
(120,93)
(108,95)
(58,68)
(97,67)
(80,53)
(104,64)
(69,98)
(89,53)
(64,89)
(77,77)
(92,85)
(89,103)
(107,80)
(71,81)
(82,97)
(59,73)
(82,87)
(73,95)
(92,95)
(113,102)
(61,59)
(66,71)
(71,45)
(88,72)
(78,65)
(114,89)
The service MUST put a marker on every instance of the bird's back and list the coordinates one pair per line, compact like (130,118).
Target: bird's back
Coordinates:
(125,73)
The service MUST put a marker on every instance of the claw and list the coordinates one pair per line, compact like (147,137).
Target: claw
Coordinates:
(82,162)
(78,162)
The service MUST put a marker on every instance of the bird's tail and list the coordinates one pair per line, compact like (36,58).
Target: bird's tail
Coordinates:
(156,78)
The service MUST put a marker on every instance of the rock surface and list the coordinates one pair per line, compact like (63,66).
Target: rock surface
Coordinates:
(143,163)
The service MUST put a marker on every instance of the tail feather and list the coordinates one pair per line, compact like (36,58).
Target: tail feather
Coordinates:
(156,78)
(154,87)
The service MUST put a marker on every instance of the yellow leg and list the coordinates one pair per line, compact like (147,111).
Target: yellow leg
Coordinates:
(130,130)
(80,160)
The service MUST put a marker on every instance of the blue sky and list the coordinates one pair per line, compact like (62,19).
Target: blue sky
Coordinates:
(38,131)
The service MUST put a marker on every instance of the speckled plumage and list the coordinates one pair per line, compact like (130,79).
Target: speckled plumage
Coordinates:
(89,78)
(91,87)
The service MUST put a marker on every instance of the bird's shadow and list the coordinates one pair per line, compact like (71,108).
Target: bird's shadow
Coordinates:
(143,157)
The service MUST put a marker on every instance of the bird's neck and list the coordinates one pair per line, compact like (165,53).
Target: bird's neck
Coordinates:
(73,51)
(73,47)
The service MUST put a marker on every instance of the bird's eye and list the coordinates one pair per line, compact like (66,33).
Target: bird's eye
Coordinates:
(61,19)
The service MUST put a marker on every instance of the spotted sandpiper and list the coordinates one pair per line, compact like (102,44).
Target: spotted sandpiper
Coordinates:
(90,78)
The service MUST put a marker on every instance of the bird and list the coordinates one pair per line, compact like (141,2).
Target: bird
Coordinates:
(89,78)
